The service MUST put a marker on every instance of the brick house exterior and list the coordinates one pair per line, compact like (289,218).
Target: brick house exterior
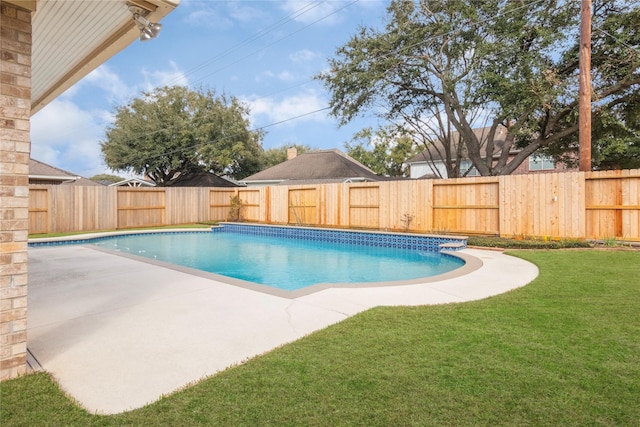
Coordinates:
(36,66)
(15,147)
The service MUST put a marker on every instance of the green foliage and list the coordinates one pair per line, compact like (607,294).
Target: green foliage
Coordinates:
(445,68)
(235,208)
(382,151)
(407,219)
(174,130)
(106,177)
(616,116)
(616,137)
(275,156)
(498,242)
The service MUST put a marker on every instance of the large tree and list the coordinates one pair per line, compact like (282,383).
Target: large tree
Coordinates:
(105,177)
(442,68)
(277,155)
(173,130)
(382,151)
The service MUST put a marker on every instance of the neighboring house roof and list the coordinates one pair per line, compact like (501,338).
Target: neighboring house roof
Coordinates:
(431,159)
(315,167)
(319,181)
(133,182)
(42,173)
(435,152)
(201,179)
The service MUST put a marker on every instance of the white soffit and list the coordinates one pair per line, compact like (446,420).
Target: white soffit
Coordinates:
(70,38)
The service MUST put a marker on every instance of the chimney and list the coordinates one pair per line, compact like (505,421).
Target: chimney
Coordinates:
(292,153)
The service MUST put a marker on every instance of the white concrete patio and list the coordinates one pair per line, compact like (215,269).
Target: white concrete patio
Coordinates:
(118,333)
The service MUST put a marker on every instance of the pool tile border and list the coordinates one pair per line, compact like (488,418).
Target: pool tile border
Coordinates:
(419,242)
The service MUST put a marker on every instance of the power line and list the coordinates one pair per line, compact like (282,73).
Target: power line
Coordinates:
(406,48)
(278,40)
(452,32)
(178,150)
(617,40)
(229,136)
(327,108)
(306,8)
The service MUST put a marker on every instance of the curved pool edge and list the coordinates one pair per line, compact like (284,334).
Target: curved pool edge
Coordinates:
(499,273)
(470,263)
(468,282)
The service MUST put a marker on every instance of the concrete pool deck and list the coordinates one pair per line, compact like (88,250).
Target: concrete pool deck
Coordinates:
(118,333)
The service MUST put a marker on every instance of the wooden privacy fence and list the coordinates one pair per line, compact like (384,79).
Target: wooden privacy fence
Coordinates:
(598,205)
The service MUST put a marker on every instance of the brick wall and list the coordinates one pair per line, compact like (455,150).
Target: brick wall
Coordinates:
(15,145)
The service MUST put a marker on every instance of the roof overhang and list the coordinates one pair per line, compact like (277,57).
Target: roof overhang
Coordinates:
(133,182)
(72,38)
(260,182)
(54,178)
(25,4)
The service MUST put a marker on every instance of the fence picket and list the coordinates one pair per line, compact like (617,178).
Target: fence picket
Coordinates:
(596,205)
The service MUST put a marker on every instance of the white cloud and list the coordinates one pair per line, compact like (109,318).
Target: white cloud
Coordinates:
(271,110)
(304,55)
(311,12)
(284,76)
(171,77)
(220,15)
(207,14)
(241,11)
(104,78)
(64,136)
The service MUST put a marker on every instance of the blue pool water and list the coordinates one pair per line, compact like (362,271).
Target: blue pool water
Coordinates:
(283,263)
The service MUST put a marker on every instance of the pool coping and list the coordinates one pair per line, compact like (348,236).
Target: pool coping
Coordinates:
(117,334)
(86,238)
(471,263)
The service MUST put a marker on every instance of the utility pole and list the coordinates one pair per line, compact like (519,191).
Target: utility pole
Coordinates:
(584,113)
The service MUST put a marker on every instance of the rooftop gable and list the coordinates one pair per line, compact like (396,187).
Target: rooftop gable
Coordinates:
(42,172)
(201,179)
(316,165)
(133,182)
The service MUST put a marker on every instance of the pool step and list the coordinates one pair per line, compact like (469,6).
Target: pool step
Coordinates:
(452,246)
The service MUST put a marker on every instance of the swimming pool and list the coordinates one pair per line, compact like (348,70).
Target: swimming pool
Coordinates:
(292,258)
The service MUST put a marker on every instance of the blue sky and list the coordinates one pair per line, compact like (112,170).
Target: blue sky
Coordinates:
(263,52)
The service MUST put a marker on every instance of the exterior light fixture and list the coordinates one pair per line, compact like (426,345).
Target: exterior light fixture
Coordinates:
(148,30)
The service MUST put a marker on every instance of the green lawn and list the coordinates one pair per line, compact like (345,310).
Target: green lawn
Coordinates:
(564,350)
